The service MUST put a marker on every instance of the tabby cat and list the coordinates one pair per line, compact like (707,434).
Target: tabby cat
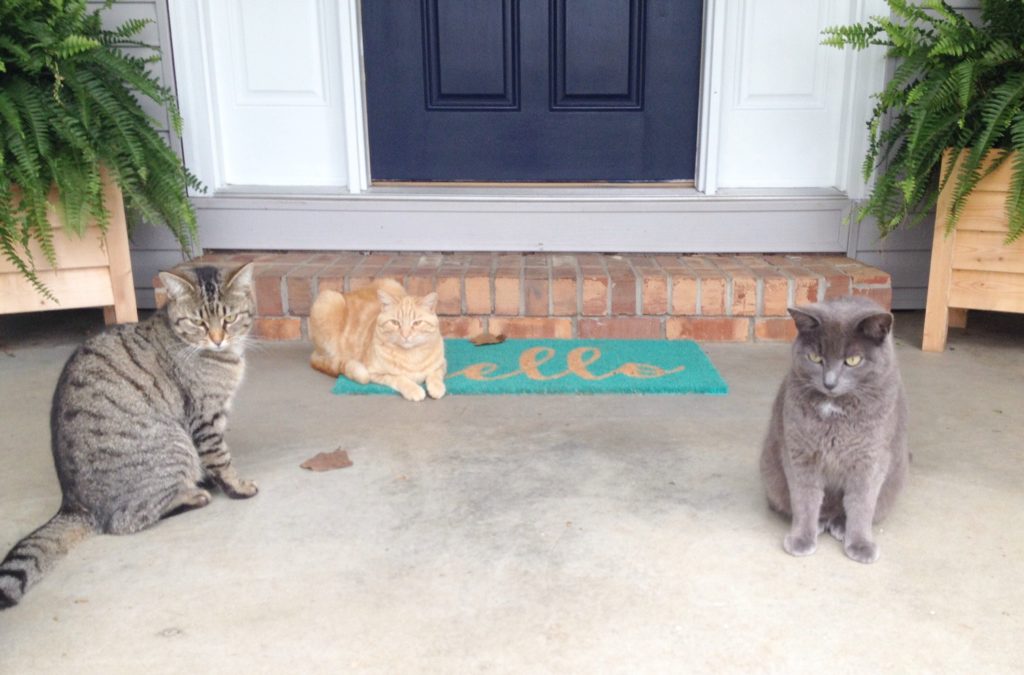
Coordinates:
(138,421)
(380,334)
(835,456)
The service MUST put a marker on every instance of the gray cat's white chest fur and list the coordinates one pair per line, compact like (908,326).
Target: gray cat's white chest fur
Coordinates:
(829,409)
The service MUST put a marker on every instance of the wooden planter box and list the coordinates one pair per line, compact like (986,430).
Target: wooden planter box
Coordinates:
(973,268)
(92,271)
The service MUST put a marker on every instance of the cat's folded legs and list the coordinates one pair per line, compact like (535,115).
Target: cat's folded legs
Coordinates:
(151,504)
(435,382)
(218,466)
(216,462)
(356,371)
(409,390)
(859,504)
(805,501)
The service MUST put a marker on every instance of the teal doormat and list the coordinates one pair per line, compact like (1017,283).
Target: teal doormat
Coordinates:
(571,367)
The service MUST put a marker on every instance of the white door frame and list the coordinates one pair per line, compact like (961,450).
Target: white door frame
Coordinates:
(359,216)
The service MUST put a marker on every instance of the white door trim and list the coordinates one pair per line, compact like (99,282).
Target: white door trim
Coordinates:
(709,121)
(353,90)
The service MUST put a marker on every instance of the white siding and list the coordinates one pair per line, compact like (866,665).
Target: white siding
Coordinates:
(907,253)
(153,248)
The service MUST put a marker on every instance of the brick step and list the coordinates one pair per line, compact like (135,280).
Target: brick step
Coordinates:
(713,298)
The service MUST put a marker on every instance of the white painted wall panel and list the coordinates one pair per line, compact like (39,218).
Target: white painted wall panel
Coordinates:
(264,77)
(782,95)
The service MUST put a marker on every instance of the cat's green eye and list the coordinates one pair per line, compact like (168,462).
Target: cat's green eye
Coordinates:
(230,318)
(813,358)
(199,323)
(854,360)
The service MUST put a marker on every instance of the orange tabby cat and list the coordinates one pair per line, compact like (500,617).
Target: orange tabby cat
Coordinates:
(380,334)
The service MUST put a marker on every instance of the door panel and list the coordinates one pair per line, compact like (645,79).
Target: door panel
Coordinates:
(532,90)
(470,70)
(597,49)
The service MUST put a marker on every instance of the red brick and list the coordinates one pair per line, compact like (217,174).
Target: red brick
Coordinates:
(332,279)
(775,294)
(654,292)
(461,326)
(506,293)
(517,327)
(622,327)
(881,295)
(357,281)
(563,296)
(806,288)
(863,275)
(774,330)
(744,296)
(300,292)
(449,295)
(684,294)
(419,282)
(278,328)
(323,259)
(623,286)
(535,291)
(836,286)
(478,291)
(708,329)
(218,259)
(267,285)
(293,257)
(595,294)
(712,294)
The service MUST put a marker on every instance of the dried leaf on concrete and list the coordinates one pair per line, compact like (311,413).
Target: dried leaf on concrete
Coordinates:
(484,339)
(328,461)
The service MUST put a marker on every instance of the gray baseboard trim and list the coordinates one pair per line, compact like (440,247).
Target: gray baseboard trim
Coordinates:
(640,220)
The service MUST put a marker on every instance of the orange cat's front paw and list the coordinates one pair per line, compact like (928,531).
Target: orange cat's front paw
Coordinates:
(436,389)
(412,392)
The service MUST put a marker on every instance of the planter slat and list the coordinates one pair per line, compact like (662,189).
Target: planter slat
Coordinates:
(971,268)
(92,270)
(74,288)
(984,212)
(995,291)
(72,253)
(986,251)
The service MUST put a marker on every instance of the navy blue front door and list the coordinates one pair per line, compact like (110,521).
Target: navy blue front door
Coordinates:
(532,90)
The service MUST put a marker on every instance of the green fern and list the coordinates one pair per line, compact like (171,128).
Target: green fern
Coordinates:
(69,104)
(958,85)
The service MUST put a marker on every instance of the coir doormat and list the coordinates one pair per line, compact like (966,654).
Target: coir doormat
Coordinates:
(571,367)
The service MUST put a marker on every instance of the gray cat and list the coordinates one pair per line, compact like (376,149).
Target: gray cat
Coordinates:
(138,420)
(836,453)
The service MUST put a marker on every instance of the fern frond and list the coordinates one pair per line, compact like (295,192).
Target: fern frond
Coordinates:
(69,105)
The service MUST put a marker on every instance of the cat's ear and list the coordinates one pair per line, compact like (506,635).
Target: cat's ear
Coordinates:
(386,299)
(429,302)
(876,327)
(805,321)
(241,280)
(176,286)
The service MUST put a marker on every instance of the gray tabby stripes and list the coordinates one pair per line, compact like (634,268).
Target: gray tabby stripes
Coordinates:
(138,421)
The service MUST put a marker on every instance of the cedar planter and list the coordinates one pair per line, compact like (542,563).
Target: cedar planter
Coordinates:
(93,270)
(973,267)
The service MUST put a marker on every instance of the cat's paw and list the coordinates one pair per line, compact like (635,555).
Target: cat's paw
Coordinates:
(413,392)
(436,389)
(799,546)
(837,528)
(241,489)
(862,551)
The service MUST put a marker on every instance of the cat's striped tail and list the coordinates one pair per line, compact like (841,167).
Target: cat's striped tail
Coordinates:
(33,556)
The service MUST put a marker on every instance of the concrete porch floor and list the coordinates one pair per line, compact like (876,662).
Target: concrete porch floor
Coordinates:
(531,534)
